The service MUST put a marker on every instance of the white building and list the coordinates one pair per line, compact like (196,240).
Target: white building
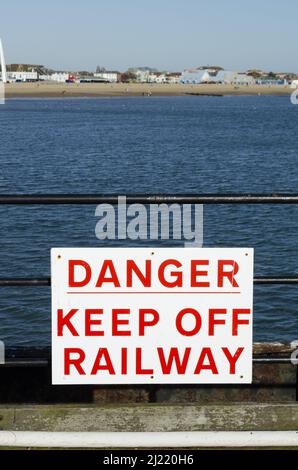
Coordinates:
(161,78)
(22,76)
(244,79)
(173,77)
(196,76)
(45,78)
(144,76)
(60,77)
(224,76)
(108,76)
(294,84)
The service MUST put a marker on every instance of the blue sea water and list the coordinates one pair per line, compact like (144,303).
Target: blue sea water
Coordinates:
(147,145)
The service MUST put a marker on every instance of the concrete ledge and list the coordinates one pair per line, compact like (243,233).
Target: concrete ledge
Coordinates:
(150,418)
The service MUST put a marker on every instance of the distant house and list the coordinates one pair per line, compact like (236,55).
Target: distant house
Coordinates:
(143,76)
(243,79)
(173,77)
(194,76)
(199,75)
(22,76)
(24,72)
(270,81)
(225,76)
(160,77)
(111,76)
(60,77)
(149,76)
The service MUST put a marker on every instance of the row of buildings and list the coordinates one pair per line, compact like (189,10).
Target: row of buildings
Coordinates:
(37,73)
(218,75)
(199,75)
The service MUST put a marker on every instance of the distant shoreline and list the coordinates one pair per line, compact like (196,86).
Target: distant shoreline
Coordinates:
(60,90)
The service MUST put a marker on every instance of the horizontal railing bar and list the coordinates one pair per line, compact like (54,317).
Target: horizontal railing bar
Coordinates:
(39,362)
(26,362)
(277,360)
(276,280)
(28,356)
(20,199)
(25,282)
(46,281)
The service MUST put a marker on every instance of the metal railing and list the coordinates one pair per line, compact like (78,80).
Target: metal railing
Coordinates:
(89,199)
(21,199)
(46,281)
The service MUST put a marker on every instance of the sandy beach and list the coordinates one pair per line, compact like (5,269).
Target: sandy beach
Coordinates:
(55,90)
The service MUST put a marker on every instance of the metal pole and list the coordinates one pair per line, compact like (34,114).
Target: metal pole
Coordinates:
(22,199)
(3,63)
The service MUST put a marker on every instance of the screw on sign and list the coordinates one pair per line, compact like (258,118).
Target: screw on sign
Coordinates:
(123,316)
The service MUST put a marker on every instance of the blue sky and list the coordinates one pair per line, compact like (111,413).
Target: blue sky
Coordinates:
(167,34)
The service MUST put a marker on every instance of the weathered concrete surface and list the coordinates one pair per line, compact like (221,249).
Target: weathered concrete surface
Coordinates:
(219,417)
(6,418)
